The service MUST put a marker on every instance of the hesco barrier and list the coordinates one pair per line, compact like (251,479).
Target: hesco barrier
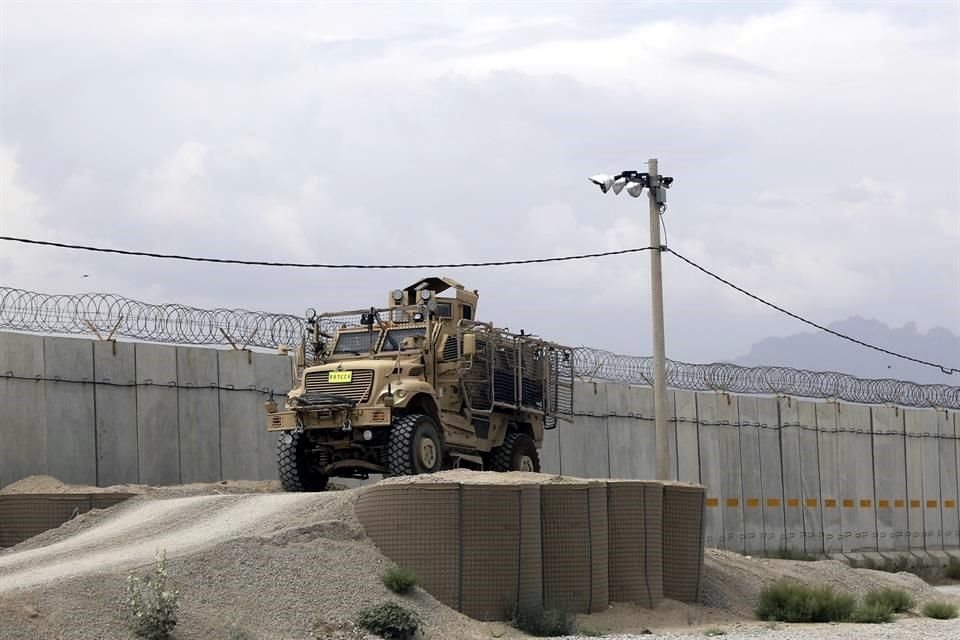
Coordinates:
(634,514)
(24,516)
(489,549)
(683,523)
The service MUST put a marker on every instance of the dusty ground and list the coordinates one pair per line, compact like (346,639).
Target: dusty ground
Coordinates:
(299,566)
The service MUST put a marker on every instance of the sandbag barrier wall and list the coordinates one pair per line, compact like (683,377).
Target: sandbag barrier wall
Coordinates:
(193,417)
(815,477)
(27,515)
(489,550)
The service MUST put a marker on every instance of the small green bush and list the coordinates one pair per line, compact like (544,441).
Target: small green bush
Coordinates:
(897,600)
(390,621)
(714,631)
(152,608)
(940,610)
(792,602)
(399,580)
(872,613)
(953,569)
(544,622)
(590,632)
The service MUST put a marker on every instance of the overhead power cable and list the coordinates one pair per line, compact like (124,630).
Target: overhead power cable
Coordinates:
(944,368)
(302,265)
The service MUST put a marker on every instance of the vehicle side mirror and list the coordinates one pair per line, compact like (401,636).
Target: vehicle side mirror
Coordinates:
(469,344)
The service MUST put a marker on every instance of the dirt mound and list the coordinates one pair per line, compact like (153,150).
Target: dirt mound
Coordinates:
(49,484)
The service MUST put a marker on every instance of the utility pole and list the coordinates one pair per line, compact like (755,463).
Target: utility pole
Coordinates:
(659,349)
(634,182)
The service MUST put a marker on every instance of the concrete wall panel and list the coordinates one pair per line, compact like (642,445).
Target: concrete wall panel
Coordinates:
(731,486)
(199,414)
(158,441)
(927,427)
(23,430)
(272,373)
(792,474)
(948,481)
(810,498)
(71,424)
(750,475)
(583,444)
(858,512)
(914,424)
(688,441)
(241,417)
(831,502)
(771,475)
(550,461)
(117,457)
(711,468)
(890,476)
(632,440)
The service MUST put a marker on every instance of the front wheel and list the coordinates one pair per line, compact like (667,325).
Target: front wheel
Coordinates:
(298,470)
(517,453)
(415,446)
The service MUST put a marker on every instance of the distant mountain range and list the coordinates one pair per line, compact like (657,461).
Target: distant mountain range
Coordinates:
(821,351)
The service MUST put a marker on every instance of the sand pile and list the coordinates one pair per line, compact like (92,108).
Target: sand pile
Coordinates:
(48,484)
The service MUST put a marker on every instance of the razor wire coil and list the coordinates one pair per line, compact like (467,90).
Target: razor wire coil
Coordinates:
(109,314)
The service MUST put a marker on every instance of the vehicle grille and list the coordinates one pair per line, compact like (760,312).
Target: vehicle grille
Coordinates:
(357,389)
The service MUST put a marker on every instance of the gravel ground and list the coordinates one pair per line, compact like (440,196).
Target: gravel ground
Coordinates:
(903,629)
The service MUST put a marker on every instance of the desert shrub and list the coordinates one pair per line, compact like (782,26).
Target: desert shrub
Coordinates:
(872,613)
(897,600)
(953,569)
(940,610)
(399,580)
(590,632)
(544,622)
(390,620)
(792,602)
(151,605)
(714,631)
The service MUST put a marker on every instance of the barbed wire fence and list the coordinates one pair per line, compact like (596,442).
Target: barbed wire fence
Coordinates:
(110,316)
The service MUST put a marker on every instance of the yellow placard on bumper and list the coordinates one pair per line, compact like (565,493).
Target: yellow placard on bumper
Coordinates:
(340,376)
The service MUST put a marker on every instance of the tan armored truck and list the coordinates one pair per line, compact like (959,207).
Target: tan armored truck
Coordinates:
(416,387)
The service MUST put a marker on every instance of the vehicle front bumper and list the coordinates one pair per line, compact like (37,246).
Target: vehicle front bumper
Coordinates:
(328,419)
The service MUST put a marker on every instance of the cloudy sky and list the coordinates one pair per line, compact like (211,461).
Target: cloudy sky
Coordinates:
(815,150)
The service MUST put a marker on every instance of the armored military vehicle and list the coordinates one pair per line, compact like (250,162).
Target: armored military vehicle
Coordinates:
(415,387)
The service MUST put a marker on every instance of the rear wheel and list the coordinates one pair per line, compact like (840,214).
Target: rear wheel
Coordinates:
(298,468)
(415,446)
(517,453)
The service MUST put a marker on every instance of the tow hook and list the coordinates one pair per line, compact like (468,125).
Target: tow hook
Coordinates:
(347,425)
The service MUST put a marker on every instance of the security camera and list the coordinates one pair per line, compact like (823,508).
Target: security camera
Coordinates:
(635,189)
(603,181)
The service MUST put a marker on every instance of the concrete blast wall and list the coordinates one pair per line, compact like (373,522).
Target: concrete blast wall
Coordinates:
(104,413)
(816,477)
(489,549)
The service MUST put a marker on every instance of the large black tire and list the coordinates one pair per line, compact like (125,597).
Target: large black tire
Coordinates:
(296,472)
(517,453)
(415,446)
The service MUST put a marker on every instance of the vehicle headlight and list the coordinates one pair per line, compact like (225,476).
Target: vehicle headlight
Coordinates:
(401,393)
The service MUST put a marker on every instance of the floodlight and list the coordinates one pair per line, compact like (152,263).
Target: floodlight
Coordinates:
(635,189)
(603,181)
(311,313)
(619,184)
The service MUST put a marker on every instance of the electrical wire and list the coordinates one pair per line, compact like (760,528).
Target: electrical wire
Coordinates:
(944,368)
(301,265)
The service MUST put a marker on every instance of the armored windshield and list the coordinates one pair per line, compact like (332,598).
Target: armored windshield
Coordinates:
(356,343)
